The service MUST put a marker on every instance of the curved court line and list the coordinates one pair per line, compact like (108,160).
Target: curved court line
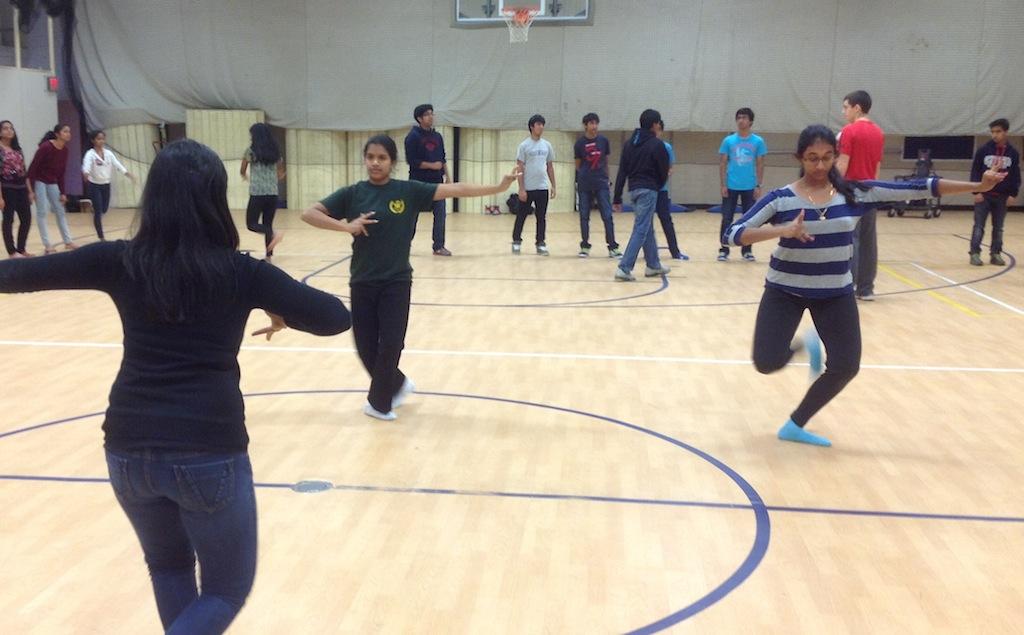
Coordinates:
(305,280)
(750,563)
(663,287)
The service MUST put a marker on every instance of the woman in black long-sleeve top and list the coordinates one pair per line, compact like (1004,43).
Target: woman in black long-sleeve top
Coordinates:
(175,435)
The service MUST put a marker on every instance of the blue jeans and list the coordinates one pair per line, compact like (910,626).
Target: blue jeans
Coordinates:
(995,205)
(644,202)
(604,205)
(48,199)
(185,505)
(437,235)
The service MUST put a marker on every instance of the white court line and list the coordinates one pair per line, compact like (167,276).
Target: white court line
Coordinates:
(974,291)
(565,356)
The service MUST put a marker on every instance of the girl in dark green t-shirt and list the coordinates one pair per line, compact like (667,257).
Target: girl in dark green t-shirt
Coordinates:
(381,213)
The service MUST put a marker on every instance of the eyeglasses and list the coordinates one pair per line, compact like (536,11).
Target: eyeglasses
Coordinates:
(828,158)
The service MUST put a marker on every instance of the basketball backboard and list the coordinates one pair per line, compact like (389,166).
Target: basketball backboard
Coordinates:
(487,13)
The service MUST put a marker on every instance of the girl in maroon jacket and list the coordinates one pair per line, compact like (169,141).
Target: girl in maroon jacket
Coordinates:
(46,177)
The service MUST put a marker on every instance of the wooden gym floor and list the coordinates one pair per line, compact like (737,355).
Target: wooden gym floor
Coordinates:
(585,456)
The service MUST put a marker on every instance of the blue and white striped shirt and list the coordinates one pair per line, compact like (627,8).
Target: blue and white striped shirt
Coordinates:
(821,268)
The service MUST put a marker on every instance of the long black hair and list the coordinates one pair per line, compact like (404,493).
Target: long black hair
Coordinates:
(817,132)
(15,144)
(264,147)
(184,239)
(52,134)
(92,136)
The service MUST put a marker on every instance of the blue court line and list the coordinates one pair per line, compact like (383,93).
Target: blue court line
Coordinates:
(656,502)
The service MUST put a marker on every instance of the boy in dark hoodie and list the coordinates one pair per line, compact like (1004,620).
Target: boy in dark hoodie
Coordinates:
(424,151)
(645,165)
(1000,155)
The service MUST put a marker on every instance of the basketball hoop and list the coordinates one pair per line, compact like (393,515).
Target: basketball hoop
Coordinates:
(519,20)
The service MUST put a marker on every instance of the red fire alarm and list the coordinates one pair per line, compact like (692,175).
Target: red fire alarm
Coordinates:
(52,83)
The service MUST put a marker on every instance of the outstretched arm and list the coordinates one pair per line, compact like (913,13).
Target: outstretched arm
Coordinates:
(882,191)
(989,179)
(462,190)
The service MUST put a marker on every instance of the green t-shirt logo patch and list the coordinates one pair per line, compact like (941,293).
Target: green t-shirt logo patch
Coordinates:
(397,206)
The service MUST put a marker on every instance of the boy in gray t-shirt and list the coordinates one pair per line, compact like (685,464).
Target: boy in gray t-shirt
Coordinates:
(535,160)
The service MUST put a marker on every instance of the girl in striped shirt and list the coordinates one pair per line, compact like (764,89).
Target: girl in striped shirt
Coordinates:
(813,219)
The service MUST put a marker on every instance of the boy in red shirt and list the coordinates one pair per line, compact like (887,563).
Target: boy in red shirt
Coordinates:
(860,158)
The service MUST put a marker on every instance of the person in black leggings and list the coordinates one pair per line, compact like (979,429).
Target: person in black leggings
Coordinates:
(16,195)
(813,219)
(97,167)
(381,214)
(264,157)
(175,437)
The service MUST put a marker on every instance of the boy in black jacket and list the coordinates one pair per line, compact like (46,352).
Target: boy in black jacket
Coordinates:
(1000,155)
(645,164)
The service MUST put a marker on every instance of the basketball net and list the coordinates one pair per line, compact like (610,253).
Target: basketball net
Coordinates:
(519,21)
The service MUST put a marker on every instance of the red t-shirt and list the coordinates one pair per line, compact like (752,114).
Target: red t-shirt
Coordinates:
(863,142)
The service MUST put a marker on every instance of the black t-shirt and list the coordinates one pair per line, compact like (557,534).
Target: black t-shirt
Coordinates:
(593,155)
(178,383)
(383,256)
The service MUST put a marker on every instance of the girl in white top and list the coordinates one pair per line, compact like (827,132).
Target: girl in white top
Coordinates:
(97,168)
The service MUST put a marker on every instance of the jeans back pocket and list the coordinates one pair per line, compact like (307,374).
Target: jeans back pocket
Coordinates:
(117,467)
(207,487)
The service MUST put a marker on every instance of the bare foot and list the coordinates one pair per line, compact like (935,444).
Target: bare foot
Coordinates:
(70,246)
(50,250)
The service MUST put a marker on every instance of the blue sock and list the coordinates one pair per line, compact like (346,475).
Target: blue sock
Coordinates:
(792,432)
(813,345)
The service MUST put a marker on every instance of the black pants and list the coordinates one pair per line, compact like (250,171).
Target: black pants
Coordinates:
(259,217)
(665,216)
(380,317)
(16,202)
(746,200)
(539,200)
(865,253)
(99,194)
(838,324)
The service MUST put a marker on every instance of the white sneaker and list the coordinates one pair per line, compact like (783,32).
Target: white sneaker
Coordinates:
(517,248)
(403,393)
(370,411)
(622,275)
(542,250)
(651,272)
